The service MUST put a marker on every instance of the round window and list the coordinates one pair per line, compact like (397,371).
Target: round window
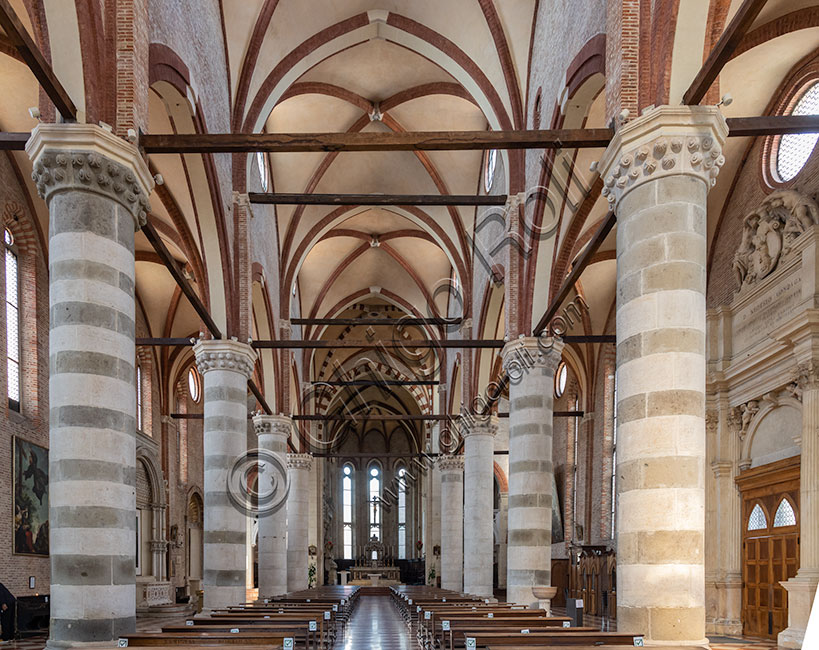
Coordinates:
(561,376)
(795,149)
(193,384)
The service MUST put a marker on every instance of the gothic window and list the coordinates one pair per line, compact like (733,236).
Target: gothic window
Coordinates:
(261,163)
(402,514)
(139,396)
(795,149)
(347,511)
(12,322)
(375,503)
(757,520)
(489,169)
(785,516)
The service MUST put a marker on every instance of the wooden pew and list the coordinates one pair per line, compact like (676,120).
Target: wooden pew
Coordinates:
(560,638)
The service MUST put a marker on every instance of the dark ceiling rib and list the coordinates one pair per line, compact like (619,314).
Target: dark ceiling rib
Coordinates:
(380,418)
(36,62)
(725,47)
(378,199)
(375,321)
(577,270)
(367,383)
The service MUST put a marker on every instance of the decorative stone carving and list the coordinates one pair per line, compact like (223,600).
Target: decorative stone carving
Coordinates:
(768,234)
(525,353)
(88,158)
(746,413)
(487,426)
(224,355)
(690,144)
(299,461)
(808,375)
(279,425)
(711,422)
(448,463)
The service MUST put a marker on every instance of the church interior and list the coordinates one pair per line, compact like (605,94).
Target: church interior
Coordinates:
(412,324)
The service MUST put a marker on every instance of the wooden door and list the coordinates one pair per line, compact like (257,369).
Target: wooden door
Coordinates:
(770,545)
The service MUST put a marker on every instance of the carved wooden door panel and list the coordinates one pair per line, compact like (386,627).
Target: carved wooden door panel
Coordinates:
(770,545)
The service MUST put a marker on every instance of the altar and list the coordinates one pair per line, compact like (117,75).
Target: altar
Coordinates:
(374,567)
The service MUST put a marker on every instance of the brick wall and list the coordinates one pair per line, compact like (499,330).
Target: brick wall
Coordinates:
(31,423)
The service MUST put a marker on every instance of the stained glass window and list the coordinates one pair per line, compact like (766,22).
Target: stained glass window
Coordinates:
(347,511)
(402,514)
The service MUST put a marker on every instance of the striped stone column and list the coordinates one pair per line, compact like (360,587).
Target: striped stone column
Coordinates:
(452,521)
(96,187)
(225,366)
(530,364)
(657,173)
(479,475)
(273,432)
(298,512)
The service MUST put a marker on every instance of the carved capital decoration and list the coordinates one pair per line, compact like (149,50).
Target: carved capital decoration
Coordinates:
(450,463)
(277,425)
(768,234)
(299,461)
(807,375)
(527,352)
(224,355)
(711,422)
(88,158)
(664,141)
(486,426)
(721,468)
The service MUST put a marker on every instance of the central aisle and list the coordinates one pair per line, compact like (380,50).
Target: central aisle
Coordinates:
(376,625)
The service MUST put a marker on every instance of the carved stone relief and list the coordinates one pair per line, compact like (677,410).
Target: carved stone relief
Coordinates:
(768,234)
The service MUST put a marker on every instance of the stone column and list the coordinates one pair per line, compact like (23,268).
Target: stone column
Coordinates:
(530,364)
(503,534)
(452,521)
(273,432)
(434,523)
(96,187)
(802,588)
(225,366)
(657,172)
(298,509)
(479,447)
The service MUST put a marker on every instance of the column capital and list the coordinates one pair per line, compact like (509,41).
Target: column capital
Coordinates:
(299,461)
(224,355)
(276,425)
(526,352)
(450,463)
(89,158)
(242,199)
(487,426)
(807,375)
(664,141)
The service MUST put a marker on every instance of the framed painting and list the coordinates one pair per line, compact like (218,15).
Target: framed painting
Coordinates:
(30,498)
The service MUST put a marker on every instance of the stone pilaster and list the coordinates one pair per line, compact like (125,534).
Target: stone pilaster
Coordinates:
(225,367)
(273,431)
(452,521)
(657,172)
(96,187)
(298,512)
(802,588)
(479,447)
(530,364)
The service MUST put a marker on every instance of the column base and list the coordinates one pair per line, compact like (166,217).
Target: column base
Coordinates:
(801,591)
(725,596)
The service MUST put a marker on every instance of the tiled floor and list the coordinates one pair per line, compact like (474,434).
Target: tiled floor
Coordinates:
(376,625)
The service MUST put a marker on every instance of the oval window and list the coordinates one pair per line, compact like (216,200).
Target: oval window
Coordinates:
(795,149)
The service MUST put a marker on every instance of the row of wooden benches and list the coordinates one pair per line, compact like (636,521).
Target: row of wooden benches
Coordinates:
(447,620)
(310,619)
